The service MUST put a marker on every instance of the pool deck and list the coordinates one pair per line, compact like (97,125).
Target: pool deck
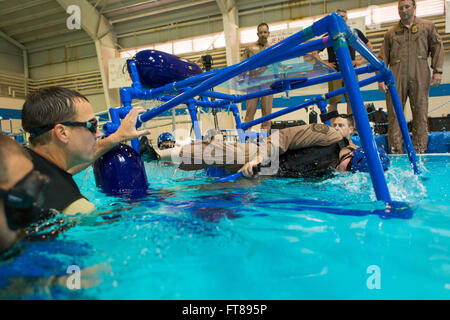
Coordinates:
(438,142)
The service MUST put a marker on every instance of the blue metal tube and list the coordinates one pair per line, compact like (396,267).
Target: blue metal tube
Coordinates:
(307,83)
(261,58)
(177,86)
(180,86)
(365,52)
(193,113)
(389,80)
(359,112)
(277,114)
(307,103)
(322,105)
(134,75)
(403,126)
(361,84)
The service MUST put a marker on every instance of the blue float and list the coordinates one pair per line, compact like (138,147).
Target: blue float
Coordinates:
(121,171)
(157,68)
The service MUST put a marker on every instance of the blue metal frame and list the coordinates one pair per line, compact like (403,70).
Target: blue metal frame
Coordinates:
(339,37)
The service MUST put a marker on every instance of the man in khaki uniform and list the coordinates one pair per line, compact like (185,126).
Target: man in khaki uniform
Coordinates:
(333,63)
(405,50)
(244,156)
(266,101)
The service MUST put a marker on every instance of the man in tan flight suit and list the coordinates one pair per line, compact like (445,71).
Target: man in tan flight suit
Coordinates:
(405,50)
(245,156)
(266,101)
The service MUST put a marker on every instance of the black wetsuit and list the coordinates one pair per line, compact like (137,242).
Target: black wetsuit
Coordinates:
(310,162)
(62,190)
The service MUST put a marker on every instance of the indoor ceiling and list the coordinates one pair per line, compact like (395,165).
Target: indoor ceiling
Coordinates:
(40,24)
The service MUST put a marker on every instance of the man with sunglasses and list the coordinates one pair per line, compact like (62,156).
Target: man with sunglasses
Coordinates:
(63,141)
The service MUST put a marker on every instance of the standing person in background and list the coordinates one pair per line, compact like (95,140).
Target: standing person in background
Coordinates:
(406,48)
(332,62)
(266,101)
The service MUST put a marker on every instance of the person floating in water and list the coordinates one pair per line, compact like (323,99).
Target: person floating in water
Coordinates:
(301,151)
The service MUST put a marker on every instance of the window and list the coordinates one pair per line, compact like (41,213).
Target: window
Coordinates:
(249,35)
(374,15)
(165,47)
(182,46)
(219,40)
(301,23)
(203,43)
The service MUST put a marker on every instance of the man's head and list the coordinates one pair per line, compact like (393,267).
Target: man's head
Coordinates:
(63,118)
(342,13)
(406,10)
(263,33)
(20,187)
(166,140)
(344,125)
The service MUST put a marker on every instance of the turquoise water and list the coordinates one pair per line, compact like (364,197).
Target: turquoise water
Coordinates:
(253,239)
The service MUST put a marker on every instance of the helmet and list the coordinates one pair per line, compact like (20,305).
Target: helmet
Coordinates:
(360,163)
(210,134)
(165,136)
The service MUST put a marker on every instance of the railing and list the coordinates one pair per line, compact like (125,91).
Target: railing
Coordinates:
(86,83)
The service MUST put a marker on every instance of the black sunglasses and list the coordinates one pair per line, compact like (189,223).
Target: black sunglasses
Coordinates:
(91,125)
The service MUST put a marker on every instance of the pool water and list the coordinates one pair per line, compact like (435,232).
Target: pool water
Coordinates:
(252,239)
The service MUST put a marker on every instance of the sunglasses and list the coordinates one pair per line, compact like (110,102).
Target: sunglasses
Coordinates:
(91,125)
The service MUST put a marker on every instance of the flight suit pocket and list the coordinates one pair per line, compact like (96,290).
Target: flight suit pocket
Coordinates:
(399,49)
(395,60)
(421,44)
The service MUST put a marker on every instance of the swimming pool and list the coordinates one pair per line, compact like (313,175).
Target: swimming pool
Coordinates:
(254,239)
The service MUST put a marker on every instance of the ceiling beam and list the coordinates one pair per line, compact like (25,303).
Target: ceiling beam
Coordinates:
(33,28)
(92,22)
(44,35)
(120,7)
(159,11)
(23,6)
(101,31)
(28,17)
(11,40)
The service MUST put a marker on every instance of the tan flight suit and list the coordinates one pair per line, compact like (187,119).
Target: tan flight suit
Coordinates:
(291,138)
(266,101)
(406,53)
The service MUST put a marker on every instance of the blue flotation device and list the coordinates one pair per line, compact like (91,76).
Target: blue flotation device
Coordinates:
(360,162)
(157,68)
(121,171)
(216,172)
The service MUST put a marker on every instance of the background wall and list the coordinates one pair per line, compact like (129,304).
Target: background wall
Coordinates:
(58,56)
